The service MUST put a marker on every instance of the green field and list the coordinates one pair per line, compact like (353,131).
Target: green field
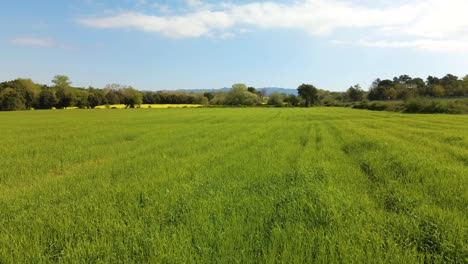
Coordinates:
(230,185)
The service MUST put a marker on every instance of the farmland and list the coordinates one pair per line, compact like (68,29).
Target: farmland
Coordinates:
(251,185)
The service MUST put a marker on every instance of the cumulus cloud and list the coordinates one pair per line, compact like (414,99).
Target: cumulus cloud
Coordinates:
(431,22)
(193,25)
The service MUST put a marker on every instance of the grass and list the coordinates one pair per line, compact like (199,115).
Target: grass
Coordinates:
(233,186)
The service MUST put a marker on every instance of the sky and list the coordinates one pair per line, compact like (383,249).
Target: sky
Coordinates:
(203,44)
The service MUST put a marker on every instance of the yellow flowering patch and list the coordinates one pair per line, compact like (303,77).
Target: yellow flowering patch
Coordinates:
(156,106)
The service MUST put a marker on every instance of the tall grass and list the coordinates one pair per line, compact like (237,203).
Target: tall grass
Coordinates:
(233,185)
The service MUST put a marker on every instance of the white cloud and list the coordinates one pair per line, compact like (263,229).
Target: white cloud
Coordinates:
(193,25)
(429,22)
(198,4)
(164,9)
(423,44)
(39,42)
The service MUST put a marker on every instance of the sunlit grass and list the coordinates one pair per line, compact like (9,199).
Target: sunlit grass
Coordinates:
(230,185)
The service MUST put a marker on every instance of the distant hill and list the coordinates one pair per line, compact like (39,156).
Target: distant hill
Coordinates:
(269,90)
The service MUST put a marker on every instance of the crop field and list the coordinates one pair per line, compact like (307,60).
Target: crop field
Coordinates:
(252,185)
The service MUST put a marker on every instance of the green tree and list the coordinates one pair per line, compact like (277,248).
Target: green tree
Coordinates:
(148,97)
(30,90)
(431,80)
(378,90)
(240,86)
(61,81)
(452,85)
(208,95)
(95,97)
(309,93)
(46,99)
(65,97)
(355,93)
(276,99)
(10,100)
(112,97)
(25,91)
(293,100)
(438,91)
(391,94)
(81,99)
(131,97)
(239,95)
(418,82)
(63,91)
(252,90)
(465,85)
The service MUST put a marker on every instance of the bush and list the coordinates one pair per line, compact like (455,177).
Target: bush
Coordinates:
(424,105)
(276,99)
(364,104)
(375,106)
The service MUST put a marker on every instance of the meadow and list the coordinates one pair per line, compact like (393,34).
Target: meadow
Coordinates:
(227,185)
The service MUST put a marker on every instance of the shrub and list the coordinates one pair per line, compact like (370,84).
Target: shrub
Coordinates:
(424,105)
(364,104)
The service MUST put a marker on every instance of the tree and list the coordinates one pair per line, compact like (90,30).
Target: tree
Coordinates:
(61,81)
(131,97)
(112,97)
(293,100)
(379,91)
(465,85)
(254,91)
(240,86)
(81,99)
(10,100)
(46,99)
(209,96)
(326,98)
(452,85)
(29,91)
(431,80)
(64,96)
(438,91)
(391,94)
(95,97)
(239,95)
(418,82)
(276,99)
(309,93)
(25,91)
(355,93)
(149,98)
(63,92)
(403,79)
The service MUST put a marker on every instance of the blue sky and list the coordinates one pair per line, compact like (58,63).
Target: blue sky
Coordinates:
(183,44)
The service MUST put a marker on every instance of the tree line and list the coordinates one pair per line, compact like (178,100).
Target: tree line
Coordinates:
(24,94)
(399,88)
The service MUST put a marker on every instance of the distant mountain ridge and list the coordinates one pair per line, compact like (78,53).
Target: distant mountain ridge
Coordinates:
(269,90)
